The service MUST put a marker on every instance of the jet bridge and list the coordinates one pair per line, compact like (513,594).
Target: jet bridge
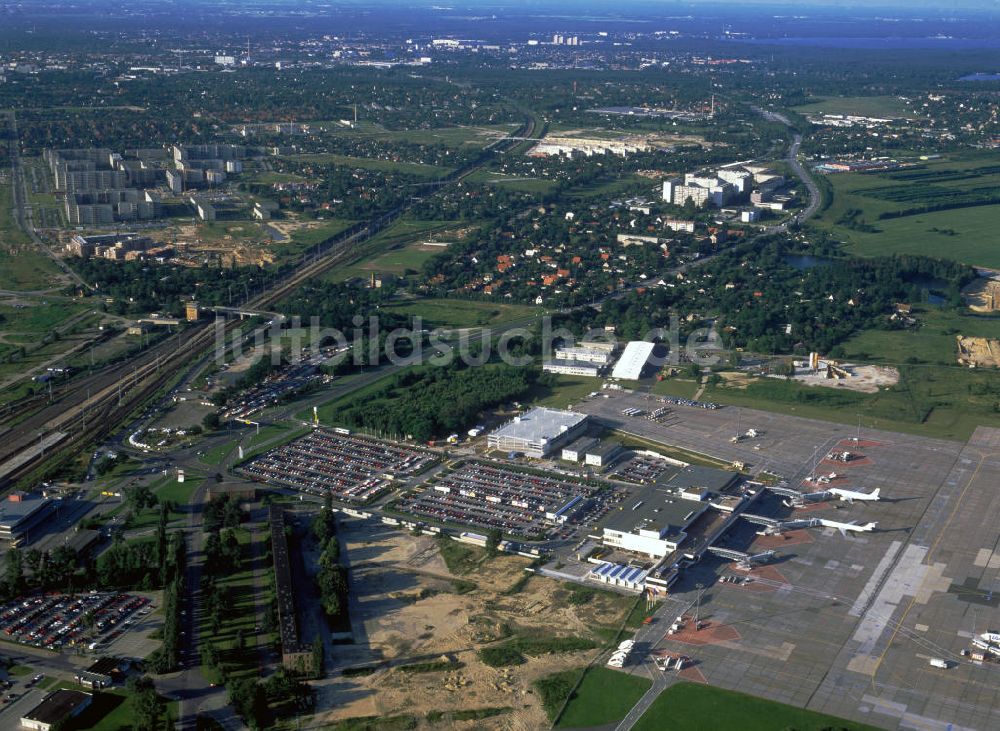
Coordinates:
(784,491)
(759,519)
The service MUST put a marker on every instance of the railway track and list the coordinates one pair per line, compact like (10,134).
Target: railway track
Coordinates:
(87,409)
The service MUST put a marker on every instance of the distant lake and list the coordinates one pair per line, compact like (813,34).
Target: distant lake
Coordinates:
(878,44)
(806,261)
(981,77)
(936,289)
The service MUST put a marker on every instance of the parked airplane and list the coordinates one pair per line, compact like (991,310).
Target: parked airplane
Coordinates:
(845,527)
(852,495)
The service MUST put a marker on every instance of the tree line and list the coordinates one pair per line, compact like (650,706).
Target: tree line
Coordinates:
(436,401)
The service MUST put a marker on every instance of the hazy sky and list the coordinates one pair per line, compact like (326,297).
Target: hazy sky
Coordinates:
(942,6)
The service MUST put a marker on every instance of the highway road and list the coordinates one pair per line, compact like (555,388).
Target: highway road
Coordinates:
(814,195)
(792,158)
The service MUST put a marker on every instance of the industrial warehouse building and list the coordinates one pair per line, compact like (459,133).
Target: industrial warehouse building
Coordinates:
(21,514)
(633,360)
(539,432)
(588,354)
(572,367)
(576,450)
(602,455)
(613,574)
(56,709)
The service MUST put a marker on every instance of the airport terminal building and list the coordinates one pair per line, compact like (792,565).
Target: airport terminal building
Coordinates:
(653,525)
(656,523)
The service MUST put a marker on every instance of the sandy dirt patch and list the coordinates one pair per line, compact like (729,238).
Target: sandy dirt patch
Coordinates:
(983,295)
(978,352)
(407,608)
(862,378)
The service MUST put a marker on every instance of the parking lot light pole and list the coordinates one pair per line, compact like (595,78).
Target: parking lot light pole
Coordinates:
(697,606)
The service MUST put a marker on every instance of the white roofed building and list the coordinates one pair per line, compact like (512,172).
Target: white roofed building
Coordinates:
(539,431)
(633,360)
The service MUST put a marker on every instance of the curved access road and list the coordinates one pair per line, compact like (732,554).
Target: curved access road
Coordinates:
(815,198)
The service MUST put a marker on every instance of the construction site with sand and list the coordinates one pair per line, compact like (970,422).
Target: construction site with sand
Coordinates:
(442,626)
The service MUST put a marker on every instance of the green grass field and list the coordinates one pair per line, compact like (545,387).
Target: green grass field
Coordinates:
(512,182)
(218,453)
(680,387)
(166,489)
(402,232)
(627,185)
(933,401)
(372,163)
(963,234)
(461,313)
(690,707)
(568,390)
(932,342)
(862,106)
(270,178)
(973,240)
(176,492)
(399,260)
(604,697)
(220,231)
(267,433)
(22,266)
(39,319)
(478,136)
(328,411)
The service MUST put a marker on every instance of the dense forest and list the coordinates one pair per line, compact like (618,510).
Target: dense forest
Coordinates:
(335,304)
(140,287)
(437,401)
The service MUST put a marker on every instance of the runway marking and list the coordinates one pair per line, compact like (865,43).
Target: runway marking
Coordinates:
(937,541)
(906,579)
(987,558)
(876,578)
(910,720)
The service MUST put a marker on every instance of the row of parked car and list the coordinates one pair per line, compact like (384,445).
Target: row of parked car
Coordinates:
(55,620)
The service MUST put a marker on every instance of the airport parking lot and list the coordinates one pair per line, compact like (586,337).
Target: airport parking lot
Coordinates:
(85,621)
(353,469)
(276,386)
(848,625)
(489,496)
(641,469)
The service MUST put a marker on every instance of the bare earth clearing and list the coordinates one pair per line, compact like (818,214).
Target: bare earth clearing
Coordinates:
(390,572)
